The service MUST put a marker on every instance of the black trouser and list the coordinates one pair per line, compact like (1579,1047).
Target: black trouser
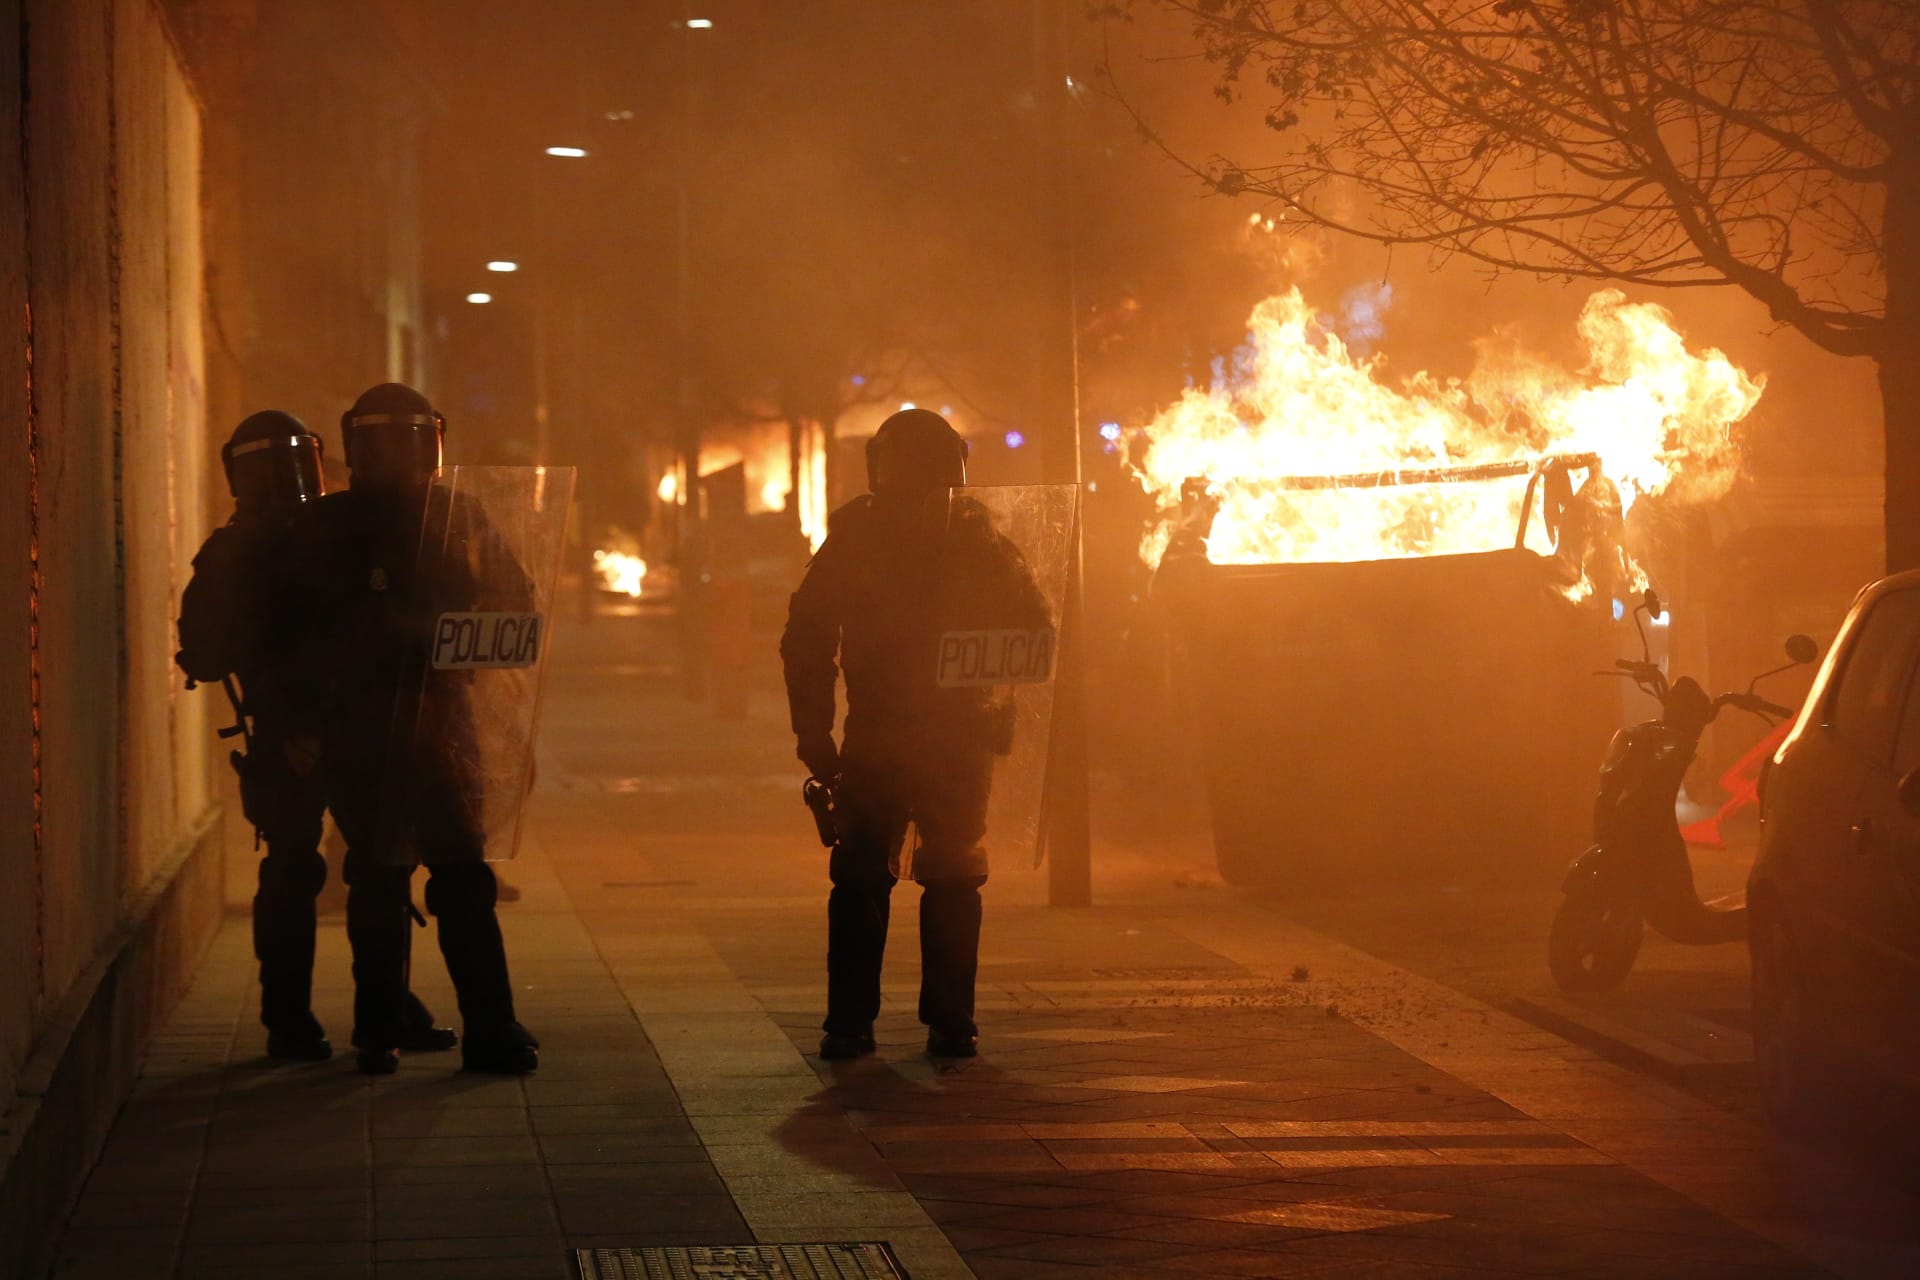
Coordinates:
(945,798)
(285,807)
(460,893)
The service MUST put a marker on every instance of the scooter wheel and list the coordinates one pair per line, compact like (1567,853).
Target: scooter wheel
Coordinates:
(1592,944)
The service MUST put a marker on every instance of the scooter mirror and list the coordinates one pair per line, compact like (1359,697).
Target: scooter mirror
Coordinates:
(1802,649)
(1909,792)
(1652,600)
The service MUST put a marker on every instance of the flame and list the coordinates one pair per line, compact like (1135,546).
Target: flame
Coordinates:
(764,451)
(620,571)
(1299,402)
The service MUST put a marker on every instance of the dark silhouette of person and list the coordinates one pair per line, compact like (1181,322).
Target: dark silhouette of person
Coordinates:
(249,614)
(902,566)
(402,759)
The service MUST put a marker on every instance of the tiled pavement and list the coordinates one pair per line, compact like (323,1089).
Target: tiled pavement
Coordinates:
(1174,1084)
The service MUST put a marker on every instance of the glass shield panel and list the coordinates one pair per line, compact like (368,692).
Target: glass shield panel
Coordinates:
(1004,592)
(460,756)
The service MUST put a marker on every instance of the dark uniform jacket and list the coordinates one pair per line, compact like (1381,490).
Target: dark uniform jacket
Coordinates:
(873,606)
(249,612)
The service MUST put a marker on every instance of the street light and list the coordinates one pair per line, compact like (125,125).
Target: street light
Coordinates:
(479,299)
(503,266)
(571,153)
(700,24)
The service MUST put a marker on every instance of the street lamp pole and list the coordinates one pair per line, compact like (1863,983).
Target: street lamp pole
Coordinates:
(690,548)
(1068,835)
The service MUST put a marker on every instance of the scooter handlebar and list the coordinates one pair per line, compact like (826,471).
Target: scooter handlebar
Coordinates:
(1756,704)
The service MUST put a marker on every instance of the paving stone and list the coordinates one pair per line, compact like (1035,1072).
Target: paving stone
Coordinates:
(450,1122)
(553,1266)
(501,1179)
(412,1152)
(616,1148)
(456,1247)
(469,1218)
(268,1257)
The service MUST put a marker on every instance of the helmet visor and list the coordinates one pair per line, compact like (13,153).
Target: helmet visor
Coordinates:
(277,471)
(393,452)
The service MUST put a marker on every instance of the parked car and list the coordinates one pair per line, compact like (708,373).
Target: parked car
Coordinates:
(1835,889)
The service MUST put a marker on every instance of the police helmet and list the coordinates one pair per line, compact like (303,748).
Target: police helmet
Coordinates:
(914,452)
(393,436)
(272,460)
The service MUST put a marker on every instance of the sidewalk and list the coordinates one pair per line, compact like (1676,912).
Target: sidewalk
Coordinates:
(1175,1083)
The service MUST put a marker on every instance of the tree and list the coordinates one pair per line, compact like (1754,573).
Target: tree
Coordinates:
(1770,145)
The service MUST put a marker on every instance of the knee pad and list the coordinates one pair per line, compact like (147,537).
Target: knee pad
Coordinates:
(293,874)
(942,886)
(456,888)
(950,864)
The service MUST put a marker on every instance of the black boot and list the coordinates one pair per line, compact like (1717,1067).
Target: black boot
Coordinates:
(508,1050)
(378,923)
(460,896)
(838,1046)
(858,911)
(949,964)
(299,1041)
(283,929)
(418,1034)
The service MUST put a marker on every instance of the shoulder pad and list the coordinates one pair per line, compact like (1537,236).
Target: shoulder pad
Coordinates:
(219,543)
(852,515)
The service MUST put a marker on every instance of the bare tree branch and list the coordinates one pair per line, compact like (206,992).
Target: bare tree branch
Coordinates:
(1679,143)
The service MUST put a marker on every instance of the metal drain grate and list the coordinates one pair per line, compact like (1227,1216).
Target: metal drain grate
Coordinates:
(851,1260)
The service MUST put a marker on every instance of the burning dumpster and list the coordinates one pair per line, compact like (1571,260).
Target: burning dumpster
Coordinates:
(1410,720)
(1384,652)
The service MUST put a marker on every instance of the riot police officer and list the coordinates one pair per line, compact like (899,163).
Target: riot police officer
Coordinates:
(397,809)
(897,566)
(248,615)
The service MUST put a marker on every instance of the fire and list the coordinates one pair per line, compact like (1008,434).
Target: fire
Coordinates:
(620,571)
(764,452)
(1298,403)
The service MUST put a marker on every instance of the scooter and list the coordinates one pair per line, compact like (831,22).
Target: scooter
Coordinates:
(1636,872)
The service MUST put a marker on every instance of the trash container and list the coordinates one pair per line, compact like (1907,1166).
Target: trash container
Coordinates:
(1423,721)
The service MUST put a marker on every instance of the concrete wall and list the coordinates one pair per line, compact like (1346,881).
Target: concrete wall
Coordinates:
(108,826)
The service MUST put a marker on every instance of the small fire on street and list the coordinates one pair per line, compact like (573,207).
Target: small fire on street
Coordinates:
(620,572)
(1298,404)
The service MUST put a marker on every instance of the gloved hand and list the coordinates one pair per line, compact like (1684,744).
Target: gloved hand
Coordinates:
(821,757)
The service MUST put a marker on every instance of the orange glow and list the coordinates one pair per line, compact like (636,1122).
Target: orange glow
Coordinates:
(1299,402)
(763,449)
(620,571)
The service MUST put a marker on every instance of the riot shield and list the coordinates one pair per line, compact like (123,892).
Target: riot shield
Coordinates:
(1003,590)
(459,760)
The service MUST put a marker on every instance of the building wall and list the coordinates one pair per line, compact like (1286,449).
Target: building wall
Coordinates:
(19,912)
(107,819)
(313,204)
